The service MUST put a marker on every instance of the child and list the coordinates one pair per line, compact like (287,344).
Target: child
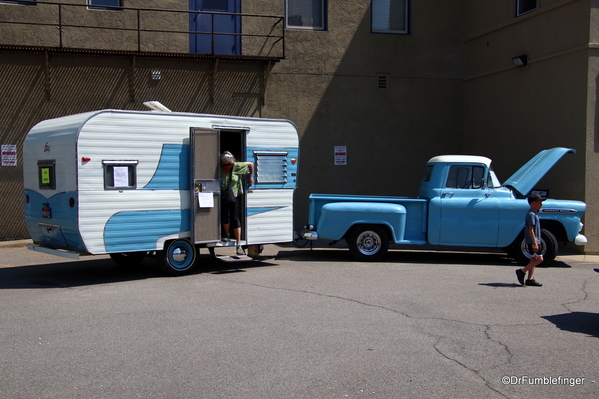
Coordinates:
(532,236)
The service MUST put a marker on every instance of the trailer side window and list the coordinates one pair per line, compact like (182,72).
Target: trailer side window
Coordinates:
(120,175)
(47,174)
(271,166)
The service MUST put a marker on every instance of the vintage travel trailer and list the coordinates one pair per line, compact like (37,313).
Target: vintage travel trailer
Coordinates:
(138,183)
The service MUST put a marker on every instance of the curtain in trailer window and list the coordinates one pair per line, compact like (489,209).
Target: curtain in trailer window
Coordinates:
(390,16)
(305,14)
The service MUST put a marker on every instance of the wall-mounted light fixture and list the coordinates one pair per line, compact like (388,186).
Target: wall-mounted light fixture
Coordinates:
(155,74)
(520,61)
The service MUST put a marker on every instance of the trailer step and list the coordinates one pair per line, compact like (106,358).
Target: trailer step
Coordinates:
(234,258)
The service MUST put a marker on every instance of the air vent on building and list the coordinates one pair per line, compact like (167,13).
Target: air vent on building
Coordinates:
(382,81)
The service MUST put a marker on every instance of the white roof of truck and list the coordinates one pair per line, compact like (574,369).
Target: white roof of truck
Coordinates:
(460,159)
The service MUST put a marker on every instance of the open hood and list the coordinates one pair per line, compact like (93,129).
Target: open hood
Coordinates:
(524,180)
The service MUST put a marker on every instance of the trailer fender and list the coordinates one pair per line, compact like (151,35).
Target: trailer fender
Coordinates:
(337,218)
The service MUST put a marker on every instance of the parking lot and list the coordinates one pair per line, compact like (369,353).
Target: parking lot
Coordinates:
(299,324)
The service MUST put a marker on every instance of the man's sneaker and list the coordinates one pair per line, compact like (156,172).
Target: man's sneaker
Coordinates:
(534,283)
(239,251)
(520,274)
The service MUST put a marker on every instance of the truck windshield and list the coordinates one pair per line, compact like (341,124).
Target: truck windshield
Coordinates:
(493,181)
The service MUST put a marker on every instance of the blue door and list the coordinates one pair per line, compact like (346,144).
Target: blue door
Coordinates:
(214,41)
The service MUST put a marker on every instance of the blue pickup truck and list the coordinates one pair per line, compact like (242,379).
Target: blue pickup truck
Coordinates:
(461,203)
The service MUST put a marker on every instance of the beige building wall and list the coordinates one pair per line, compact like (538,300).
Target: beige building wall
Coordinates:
(512,113)
(327,85)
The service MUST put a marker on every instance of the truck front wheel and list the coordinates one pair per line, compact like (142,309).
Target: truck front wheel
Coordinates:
(179,257)
(368,242)
(548,248)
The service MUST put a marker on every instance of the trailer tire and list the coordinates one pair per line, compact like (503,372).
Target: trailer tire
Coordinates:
(368,242)
(128,258)
(549,247)
(178,258)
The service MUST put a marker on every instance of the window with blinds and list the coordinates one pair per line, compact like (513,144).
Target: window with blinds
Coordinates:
(271,167)
(389,16)
(305,14)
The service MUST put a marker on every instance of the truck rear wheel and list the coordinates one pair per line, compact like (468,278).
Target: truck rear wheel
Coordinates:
(179,257)
(548,248)
(368,242)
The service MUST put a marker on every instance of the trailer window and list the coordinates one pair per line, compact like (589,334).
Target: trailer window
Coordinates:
(271,166)
(47,174)
(120,175)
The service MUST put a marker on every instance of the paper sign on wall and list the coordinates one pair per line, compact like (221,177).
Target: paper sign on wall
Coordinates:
(9,154)
(121,176)
(340,155)
(205,200)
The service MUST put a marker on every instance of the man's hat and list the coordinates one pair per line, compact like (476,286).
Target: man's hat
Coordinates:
(535,197)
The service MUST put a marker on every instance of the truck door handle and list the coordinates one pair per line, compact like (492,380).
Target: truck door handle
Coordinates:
(448,193)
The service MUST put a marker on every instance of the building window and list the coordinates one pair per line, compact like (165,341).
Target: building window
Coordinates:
(216,5)
(390,16)
(104,4)
(305,14)
(22,3)
(525,6)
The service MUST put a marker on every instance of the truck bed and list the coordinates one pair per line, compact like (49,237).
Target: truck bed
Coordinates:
(415,214)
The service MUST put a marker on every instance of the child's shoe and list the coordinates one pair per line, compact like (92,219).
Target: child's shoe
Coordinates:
(533,283)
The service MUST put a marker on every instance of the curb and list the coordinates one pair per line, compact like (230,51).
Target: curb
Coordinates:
(15,243)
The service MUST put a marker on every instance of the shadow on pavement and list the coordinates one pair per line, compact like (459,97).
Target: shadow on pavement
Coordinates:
(578,322)
(410,256)
(104,271)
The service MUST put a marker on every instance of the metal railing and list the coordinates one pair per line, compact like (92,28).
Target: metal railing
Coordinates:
(140,30)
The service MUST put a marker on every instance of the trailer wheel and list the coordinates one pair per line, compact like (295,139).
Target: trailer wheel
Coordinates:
(128,258)
(548,248)
(178,258)
(368,242)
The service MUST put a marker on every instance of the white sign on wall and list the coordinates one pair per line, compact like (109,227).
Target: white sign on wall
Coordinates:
(9,154)
(340,155)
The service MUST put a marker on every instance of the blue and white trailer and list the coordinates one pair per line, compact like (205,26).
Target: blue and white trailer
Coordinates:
(138,183)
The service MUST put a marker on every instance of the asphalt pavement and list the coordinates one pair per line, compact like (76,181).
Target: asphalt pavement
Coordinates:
(299,324)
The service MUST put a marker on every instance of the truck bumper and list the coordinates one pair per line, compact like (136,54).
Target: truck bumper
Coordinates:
(580,240)
(310,235)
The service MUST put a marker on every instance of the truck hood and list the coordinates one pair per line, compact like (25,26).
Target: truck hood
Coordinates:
(524,180)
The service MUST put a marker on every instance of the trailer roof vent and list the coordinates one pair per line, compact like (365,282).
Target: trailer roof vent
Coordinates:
(156,106)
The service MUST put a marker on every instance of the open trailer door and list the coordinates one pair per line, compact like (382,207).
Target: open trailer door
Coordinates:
(205,195)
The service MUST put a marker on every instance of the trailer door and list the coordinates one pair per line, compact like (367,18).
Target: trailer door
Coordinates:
(205,192)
